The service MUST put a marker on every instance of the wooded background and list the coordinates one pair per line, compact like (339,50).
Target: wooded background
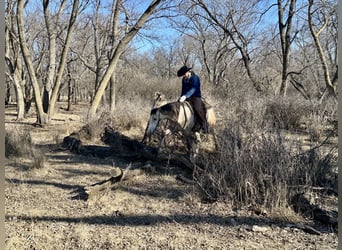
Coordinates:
(93,51)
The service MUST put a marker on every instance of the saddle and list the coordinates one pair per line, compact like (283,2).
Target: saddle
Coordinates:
(198,124)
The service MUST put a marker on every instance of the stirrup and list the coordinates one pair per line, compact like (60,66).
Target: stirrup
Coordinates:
(205,129)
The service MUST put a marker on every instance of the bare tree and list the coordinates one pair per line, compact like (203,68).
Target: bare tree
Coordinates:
(233,19)
(105,35)
(214,47)
(71,80)
(162,62)
(324,14)
(63,59)
(45,108)
(286,38)
(13,59)
(117,52)
(52,22)
(41,116)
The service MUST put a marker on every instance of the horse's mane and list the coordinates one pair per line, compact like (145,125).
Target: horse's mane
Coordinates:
(172,109)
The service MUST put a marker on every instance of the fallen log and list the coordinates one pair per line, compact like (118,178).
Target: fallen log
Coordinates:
(103,185)
(72,142)
(88,192)
(123,147)
(304,206)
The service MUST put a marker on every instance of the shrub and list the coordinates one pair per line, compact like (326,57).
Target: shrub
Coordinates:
(257,169)
(38,159)
(130,115)
(143,87)
(321,120)
(18,143)
(285,113)
(248,170)
(94,128)
(127,116)
(257,164)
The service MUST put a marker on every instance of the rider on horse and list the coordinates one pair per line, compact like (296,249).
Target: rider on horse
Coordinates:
(191,91)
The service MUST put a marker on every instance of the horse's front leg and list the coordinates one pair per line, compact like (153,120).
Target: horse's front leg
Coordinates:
(162,143)
(146,138)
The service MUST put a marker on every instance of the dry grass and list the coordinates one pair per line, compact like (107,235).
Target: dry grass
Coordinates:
(150,211)
(18,143)
(258,164)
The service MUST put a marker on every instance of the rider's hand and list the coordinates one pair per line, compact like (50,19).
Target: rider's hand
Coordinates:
(182,99)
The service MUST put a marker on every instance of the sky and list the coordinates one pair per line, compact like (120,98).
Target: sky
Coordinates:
(161,28)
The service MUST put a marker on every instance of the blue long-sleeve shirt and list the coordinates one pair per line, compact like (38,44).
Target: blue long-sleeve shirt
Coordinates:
(191,86)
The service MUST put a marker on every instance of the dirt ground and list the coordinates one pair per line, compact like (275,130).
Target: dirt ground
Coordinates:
(150,211)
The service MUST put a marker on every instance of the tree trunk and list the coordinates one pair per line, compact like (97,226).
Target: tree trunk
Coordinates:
(62,64)
(285,40)
(117,53)
(112,94)
(19,96)
(70,92)
(14,62)
(8,98)
(28,98)
(76,92)
(315,35)
(52,35)
(41,116)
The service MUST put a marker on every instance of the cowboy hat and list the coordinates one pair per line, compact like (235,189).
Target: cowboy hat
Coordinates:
(182,71)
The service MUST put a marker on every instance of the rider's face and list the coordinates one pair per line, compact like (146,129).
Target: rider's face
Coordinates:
(187,75)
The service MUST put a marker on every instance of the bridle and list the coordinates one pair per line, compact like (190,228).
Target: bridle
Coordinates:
(186,116)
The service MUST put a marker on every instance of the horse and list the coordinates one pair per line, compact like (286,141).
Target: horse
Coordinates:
(180,120)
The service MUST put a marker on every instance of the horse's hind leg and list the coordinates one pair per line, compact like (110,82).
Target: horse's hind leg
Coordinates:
(161,144)
(194,146)
(215,139)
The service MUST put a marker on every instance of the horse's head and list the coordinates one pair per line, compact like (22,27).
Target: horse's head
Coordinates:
(152,123)
(159,100)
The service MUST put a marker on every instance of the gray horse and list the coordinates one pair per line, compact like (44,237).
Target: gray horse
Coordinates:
(181,119)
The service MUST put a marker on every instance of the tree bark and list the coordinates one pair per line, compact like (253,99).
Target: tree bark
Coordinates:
(52,36)
(115,22)
(19,95)
(285,29)
(112,93)
(13,62)
(315,35)
(62,64)
(41,116)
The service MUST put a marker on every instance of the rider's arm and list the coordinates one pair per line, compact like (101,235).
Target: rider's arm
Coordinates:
(195,84)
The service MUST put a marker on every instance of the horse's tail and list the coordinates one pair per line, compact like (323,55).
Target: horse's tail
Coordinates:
(211,118)
(210,113)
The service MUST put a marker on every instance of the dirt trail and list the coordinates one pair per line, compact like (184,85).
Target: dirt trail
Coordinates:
(153,210)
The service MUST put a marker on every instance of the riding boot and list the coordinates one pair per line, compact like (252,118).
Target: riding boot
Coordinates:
(205,127)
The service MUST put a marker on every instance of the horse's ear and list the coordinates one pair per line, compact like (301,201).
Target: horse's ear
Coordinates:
(157,94)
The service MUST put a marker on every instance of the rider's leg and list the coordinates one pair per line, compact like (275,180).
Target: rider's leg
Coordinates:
(199,108)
